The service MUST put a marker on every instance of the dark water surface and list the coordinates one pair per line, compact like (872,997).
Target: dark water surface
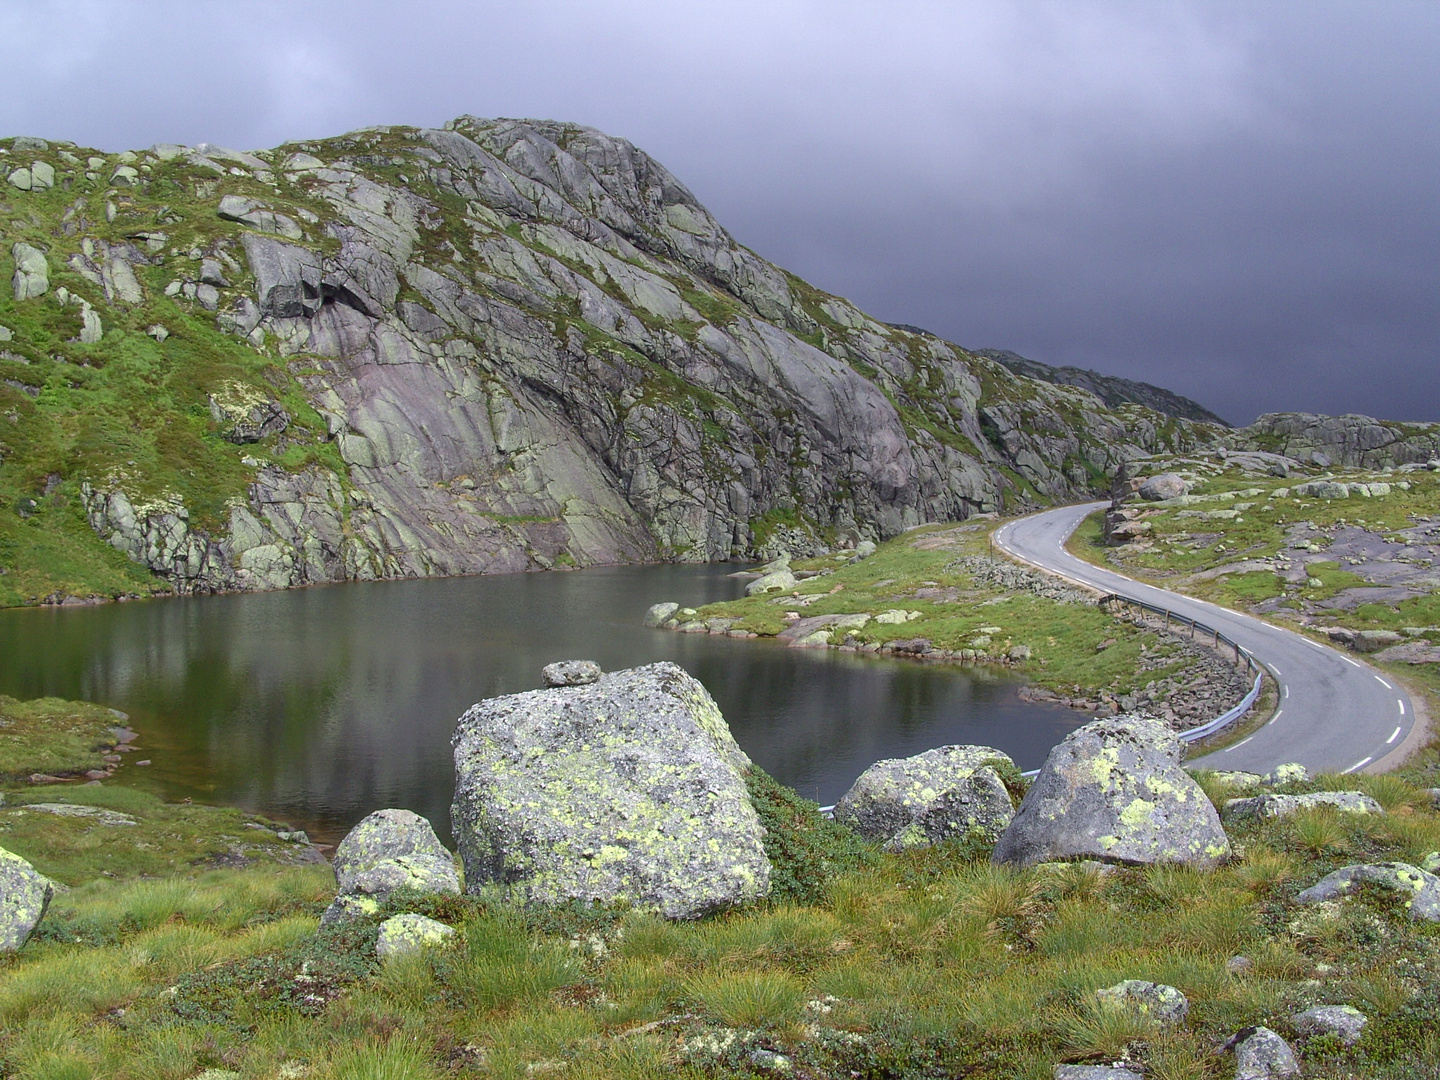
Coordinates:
(319,705)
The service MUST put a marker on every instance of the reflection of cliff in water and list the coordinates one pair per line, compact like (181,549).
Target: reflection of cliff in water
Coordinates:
(322,704)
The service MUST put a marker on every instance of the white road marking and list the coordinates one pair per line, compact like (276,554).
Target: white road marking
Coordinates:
(1383,683)
(1287,690)
(1239,744)
(1393,736)
(1358,764)
(1276,716)
(1309,642)
(1347,660)
(1402,708)
(1278,673)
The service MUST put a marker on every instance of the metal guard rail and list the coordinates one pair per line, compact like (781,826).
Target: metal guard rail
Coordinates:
(1222,721)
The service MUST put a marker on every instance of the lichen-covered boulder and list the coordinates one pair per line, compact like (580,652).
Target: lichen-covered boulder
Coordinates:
(1345,1022)
(1260,1054)
(781,580)
(389,851)
(660,614)
(1161,1003)
(571,673)
(628,789)
(1113,790)
(24,896)
(1292,772)
(943,794)
(1419,889)
(1273,806)
(401,935)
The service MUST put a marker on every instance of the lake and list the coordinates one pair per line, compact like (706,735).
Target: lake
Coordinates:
(319,705)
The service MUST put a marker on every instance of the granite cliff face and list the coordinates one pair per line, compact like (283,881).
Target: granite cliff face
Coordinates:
(504,345)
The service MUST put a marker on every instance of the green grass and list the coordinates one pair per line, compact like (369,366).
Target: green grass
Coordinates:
(924,964)
(54,737)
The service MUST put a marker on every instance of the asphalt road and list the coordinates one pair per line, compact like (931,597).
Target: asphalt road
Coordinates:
(1336,714)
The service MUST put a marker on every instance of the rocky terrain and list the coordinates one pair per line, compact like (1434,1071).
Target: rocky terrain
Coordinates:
(502,345)
(1111,389)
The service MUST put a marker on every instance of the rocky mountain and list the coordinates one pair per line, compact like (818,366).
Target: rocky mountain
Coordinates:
(501,345)
(1353,441)
(1111,389)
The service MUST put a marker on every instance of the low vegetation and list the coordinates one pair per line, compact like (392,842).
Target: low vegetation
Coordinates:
(54,737)
(925,964)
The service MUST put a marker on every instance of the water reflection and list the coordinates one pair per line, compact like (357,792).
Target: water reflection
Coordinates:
(319,705)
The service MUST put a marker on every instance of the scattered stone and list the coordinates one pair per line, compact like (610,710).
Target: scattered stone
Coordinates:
(571,673)
(388,851)
(24,896)
(1289,773)
(771,1061)
(6,334)
(409,933)
(32,272)
(1242,780)
(1273,806)
(895,617)
(1095,1072)
(776,581)
(91,329)
(1164,486)
(1114,790)
(943,794)
(158,332)
(864,549)
(628,789)
(1260,1054)
(212,273)
(1420,888)
(1431,863)
(1239,965)
(660,614)
(1344,1021)
(39,176)
(1161,1003)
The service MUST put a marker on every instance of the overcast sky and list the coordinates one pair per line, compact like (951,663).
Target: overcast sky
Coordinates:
(1239,201)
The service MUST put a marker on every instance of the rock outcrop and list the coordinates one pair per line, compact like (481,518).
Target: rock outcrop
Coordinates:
(523,344)
(1271,806)
(1418,890)
(1114,790)
(627,789)
(1353,441)
(947,793)
(24,896)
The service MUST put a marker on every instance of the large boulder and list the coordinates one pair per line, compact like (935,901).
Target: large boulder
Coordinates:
(943,794)
(1419,889)
(781,580)
(1165,486)
(1113,790)
(32,272)
(389,851)
(24,896)
(630,789)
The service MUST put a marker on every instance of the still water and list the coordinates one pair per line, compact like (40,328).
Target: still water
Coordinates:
(319,705)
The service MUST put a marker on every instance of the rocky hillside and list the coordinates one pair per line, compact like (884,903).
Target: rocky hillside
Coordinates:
(499,346)
(1111,389)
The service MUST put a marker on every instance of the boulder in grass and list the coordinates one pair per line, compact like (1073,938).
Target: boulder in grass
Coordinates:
(627,790)
(1345,1022)
(781,580)
(1095,1072)
(1418,889)
(1114,790)
(24,896)
(389,851)
(1155,1001)
(943,794)
(1164,486)
(1260,1054)
(1273,806)
(409,933)
(660,614)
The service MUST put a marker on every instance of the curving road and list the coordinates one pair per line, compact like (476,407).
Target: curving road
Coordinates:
(1335,714)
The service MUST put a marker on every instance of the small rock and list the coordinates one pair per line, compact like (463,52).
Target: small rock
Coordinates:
(24,896)
(864,549)
(1239,965)
(1242,780)
(571,673)
(409,933)
(1431,863)
(388,851)
(1260,1054)
(211,273)
(1159,1002)
(1020,652)
(1289,773)
(1273,806)
(1095,1072)
(6,334)
(770,1061)
(659,614)
(1419,888)
(1344,1021)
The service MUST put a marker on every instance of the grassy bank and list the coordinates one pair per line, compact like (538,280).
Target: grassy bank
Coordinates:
(920,965)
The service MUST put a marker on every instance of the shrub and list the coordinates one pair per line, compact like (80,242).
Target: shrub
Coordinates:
(805,849)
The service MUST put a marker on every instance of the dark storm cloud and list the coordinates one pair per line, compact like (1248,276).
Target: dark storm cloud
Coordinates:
(1234,200)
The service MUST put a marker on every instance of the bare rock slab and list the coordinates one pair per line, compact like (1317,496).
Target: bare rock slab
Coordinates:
(24,896)
(1114,790)
(943,794)
(627,789)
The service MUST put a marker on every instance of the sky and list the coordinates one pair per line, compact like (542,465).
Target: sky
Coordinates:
(1237,201)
